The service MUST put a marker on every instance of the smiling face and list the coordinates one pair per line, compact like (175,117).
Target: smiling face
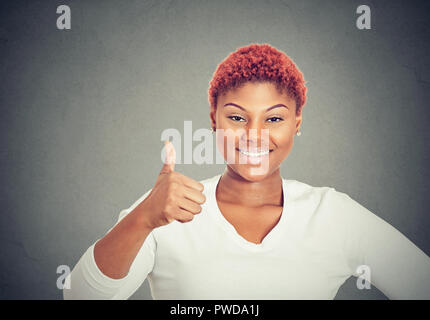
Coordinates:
(241,115)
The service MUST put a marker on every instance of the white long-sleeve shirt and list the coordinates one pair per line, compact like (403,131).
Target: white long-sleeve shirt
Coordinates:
(321,239)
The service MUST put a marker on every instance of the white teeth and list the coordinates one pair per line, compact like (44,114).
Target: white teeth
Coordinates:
(254,154)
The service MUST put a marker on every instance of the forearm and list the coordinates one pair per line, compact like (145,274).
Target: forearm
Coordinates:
(116,251)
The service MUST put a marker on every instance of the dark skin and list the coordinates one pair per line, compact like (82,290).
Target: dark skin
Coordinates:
(252,202)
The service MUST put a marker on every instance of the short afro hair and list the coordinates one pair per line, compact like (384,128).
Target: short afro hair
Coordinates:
(260,63)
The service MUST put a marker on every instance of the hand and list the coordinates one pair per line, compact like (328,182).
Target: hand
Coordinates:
(173,197)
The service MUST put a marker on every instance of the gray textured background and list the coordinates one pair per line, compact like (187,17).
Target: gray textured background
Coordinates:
(82,113)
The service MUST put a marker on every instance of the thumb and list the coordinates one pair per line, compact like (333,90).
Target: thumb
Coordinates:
(170,159)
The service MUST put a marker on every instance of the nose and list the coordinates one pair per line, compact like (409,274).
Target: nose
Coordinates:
(255,135)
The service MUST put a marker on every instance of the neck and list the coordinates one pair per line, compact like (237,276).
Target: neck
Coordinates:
(233,188)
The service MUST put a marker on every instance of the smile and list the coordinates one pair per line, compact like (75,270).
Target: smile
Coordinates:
(254,154)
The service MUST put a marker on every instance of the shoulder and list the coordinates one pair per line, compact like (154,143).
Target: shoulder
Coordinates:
(301,191)
(331,214)
(328,201)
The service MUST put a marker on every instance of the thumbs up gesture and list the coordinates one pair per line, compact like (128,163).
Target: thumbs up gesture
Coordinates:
(173,197)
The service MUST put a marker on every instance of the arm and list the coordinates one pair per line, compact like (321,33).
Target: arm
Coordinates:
(115,266)
(398,267)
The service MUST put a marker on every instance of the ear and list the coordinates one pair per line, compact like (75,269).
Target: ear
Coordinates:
(298,122)
(212,116)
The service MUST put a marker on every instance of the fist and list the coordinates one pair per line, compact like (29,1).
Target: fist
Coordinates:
(173,197)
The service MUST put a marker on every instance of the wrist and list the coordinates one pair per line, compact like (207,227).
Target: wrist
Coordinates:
(142,218)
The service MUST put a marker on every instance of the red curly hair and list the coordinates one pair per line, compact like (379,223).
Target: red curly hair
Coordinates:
(258,62)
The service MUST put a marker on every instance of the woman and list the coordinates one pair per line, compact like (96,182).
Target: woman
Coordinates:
(248,233)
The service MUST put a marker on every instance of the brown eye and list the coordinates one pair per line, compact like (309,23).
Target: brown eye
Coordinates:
(275,119)
(236,118)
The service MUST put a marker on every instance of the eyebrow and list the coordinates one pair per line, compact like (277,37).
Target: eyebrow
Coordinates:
(268,109)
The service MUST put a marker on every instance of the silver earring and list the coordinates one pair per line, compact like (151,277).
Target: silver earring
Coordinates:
(299,133)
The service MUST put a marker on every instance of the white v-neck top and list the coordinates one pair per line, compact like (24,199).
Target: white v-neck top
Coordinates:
(322,238)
